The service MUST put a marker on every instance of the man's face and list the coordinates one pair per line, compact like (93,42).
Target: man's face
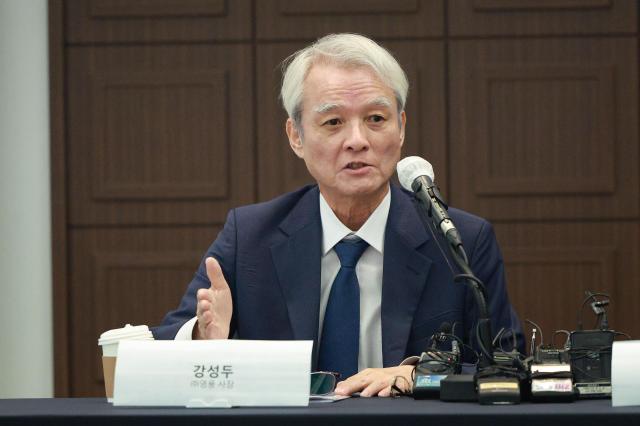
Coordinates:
(351,133)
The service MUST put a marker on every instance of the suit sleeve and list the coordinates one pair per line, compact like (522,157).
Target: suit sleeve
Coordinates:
(224,250)
(488,265)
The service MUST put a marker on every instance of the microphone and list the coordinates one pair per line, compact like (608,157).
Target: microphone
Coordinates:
(416,175)
(442,335)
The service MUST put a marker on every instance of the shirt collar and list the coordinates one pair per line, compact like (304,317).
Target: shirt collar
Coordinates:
(372,231)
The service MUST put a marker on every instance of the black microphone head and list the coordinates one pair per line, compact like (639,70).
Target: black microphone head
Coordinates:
(441,335)
(445,327)
(411,168)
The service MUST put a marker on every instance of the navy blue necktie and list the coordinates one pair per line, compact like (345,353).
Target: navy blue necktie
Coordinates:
(340,340)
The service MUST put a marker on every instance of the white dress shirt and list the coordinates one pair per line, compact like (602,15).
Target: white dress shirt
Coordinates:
(368,271)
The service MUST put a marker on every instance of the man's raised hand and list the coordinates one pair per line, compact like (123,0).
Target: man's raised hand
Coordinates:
(215,305)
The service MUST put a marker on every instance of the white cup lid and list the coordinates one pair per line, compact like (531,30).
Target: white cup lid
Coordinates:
(128,332)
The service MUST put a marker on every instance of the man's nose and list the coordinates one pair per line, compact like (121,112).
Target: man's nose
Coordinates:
(356,139)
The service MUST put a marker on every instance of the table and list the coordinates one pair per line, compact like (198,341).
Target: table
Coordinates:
(354,411)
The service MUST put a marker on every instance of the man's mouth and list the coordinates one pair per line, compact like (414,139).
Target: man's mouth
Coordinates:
(355,165)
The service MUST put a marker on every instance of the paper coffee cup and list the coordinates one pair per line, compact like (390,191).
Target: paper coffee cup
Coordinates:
(109,341)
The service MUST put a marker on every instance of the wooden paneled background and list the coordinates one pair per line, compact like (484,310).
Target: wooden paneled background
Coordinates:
(165,116)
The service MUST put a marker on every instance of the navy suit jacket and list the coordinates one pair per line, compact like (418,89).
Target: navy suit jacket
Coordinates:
(270,254)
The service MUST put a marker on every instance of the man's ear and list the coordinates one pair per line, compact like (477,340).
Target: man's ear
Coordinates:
(403,123)
(295,141)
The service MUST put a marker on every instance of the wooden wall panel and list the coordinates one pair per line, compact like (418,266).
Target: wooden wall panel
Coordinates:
(550,265)
(541,17)
(559,140)
(545,129)
(122,276)
(144,110)
(279,170)
(159,134)
(294,20)
(125,21)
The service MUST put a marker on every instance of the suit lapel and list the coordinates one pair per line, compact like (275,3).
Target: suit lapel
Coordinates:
(404,275)
(297,260)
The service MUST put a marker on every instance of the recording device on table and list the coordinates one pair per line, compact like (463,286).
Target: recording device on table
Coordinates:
(550,369)
(437,363)
(505,382)
(495,383)
(590,350)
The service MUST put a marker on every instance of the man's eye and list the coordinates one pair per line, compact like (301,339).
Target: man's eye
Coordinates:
(332,122)
(376,118)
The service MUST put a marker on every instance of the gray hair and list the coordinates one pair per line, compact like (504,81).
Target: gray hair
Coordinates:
(348,50)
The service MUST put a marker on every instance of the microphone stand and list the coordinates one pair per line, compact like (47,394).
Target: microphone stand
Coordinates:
(484,321)
(454,244)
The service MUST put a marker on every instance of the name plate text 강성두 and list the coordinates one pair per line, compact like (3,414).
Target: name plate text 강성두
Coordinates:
(213,373)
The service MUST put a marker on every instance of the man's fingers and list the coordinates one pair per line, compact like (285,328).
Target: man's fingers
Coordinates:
(386,392)
(204,294)
(376,381)
(368,386)
(352,384)
(374,387)
(204,311)
(214,273)
(204,301)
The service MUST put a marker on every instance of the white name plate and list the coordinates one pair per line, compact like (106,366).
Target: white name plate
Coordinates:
(625,373)
(213,373)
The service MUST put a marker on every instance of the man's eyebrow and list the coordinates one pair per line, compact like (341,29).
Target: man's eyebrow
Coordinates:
(326,107)
(382,101)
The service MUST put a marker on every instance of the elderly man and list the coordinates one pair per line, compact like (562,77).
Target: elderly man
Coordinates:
(346,263)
